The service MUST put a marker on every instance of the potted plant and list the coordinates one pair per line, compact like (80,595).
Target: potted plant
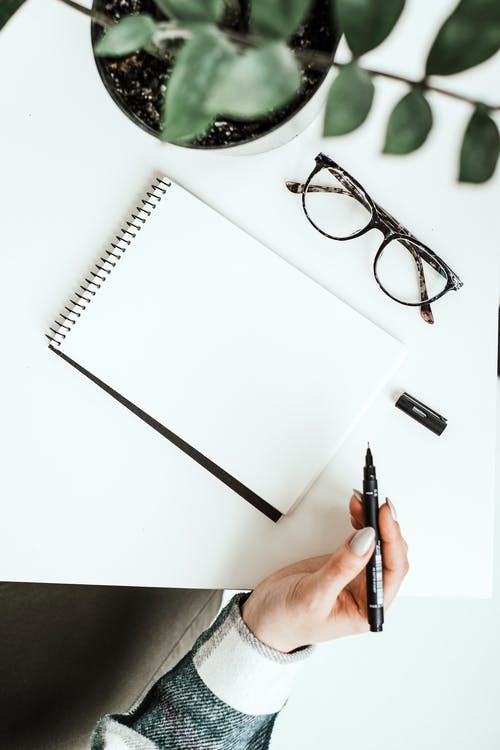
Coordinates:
(214,73)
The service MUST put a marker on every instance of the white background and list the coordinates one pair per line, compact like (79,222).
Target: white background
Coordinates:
(80,474)
(436,666)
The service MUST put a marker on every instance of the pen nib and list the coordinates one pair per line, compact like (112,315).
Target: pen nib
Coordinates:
(369,457)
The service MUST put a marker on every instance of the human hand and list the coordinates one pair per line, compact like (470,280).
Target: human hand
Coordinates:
(324,597)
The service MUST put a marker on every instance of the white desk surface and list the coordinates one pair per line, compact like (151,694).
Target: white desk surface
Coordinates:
(90,494)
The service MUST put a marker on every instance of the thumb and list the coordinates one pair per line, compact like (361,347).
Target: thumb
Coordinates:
(347,562)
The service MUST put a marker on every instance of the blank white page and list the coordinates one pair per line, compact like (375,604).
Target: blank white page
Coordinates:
(230,347)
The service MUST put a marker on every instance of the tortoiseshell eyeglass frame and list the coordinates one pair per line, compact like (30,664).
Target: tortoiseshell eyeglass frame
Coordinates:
(387,224)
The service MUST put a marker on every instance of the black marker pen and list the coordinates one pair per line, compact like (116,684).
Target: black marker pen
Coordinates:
(374,590)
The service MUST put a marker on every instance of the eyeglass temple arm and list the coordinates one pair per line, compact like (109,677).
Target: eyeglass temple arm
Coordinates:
(298,187)
(425,308)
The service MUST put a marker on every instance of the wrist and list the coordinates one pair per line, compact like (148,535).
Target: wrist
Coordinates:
(253,617)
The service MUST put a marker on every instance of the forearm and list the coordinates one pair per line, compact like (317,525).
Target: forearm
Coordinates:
(225,693)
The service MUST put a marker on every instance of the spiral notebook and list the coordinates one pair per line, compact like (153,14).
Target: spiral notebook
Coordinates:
(245,364)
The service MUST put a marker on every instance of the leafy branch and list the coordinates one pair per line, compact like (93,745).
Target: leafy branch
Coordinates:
(220,72)
(469,36)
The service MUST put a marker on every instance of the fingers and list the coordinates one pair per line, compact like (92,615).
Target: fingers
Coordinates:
(356,510)
(345,564)
(394,553)
(394,547)
(331,573)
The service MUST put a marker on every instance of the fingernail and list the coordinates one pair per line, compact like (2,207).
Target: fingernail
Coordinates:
(357,494)
(362,541)
(392,509)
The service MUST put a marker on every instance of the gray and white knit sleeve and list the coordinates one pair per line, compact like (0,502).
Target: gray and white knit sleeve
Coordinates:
(242,671)
(223,695)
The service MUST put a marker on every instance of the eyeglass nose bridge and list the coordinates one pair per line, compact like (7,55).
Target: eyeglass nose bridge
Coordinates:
(387,224)
(376,222)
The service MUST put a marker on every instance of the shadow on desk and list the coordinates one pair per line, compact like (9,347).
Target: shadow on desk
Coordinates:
(70,654)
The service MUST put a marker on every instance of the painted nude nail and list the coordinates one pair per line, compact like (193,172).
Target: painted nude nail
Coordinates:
(362,541)
(357,494)
(392,509)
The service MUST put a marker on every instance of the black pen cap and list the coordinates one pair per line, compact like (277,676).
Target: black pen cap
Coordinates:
(422,413)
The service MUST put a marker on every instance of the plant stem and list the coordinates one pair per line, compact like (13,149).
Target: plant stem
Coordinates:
(105,21)
(425,85)
(323,62)
(101,19)
(167,31)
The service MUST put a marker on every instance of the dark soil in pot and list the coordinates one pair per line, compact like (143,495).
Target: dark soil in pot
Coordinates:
(137,82)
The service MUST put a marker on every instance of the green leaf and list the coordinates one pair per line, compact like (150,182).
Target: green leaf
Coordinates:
(480,148)
(349,100)
(7,10)
(128,35)
(277,18)
(257,82)
(409,124)
(199,64)
(468,37)
(366,23)
(192,11)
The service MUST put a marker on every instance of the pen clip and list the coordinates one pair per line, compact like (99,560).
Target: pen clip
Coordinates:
(423,408)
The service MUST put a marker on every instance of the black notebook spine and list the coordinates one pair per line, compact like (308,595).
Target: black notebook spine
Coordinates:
(101,270)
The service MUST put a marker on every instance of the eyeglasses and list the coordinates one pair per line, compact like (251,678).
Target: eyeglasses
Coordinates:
(407,271)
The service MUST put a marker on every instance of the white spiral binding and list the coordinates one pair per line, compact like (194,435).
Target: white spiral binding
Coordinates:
(78,303)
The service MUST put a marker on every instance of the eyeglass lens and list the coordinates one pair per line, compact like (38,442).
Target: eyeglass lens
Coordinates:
(334,207)
(397,272)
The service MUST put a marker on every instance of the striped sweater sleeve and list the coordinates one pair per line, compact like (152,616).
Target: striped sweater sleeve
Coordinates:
(224,694)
